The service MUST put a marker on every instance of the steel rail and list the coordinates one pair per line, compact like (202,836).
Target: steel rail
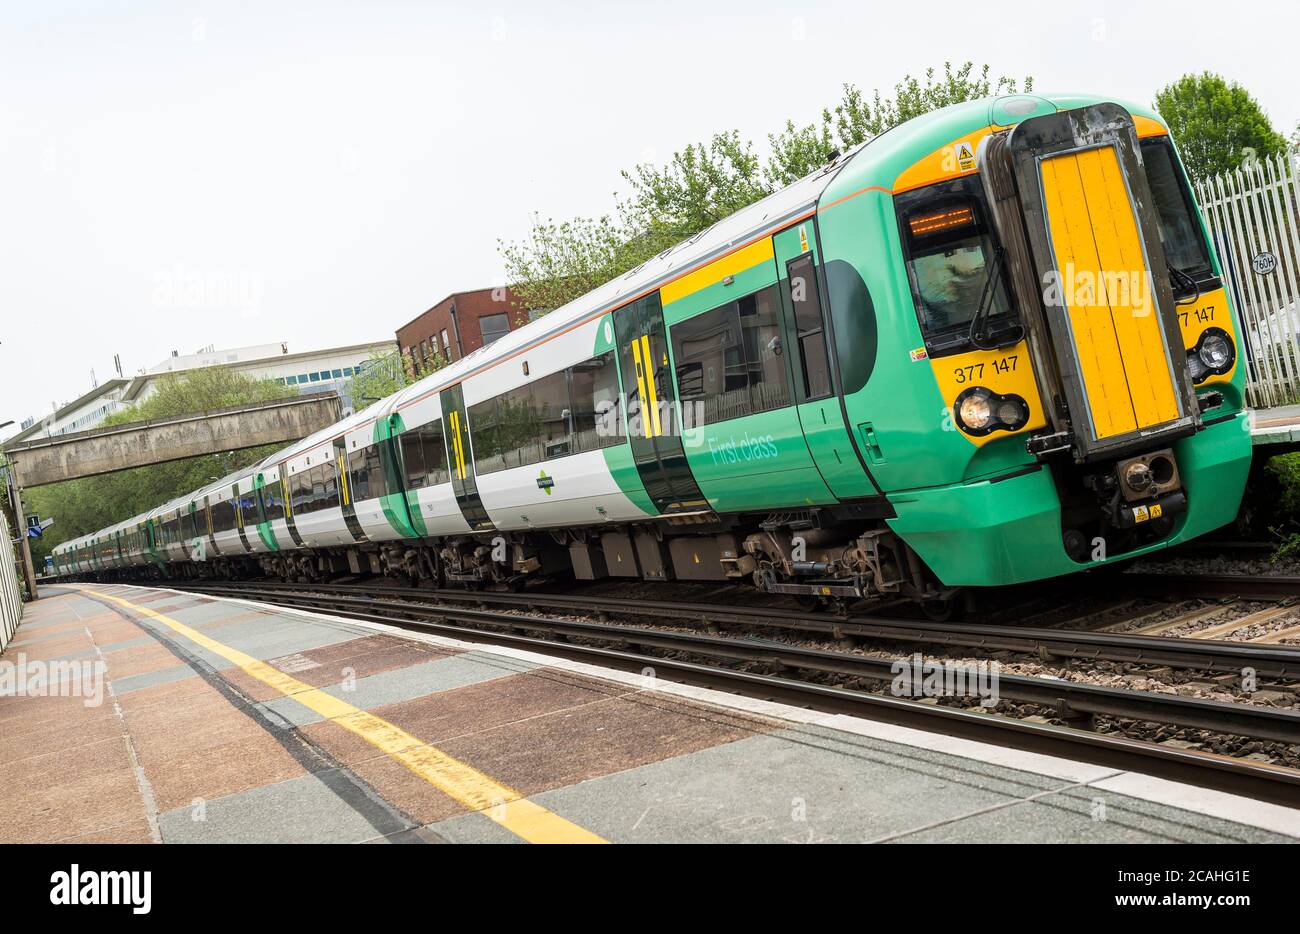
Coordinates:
(1266,660)
(1247,587)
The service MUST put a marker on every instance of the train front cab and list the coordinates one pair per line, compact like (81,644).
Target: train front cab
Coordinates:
(1084,348)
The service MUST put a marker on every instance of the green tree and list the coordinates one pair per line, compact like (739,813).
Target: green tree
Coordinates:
(1216,124)
(797,151)
(699,186)
(387,372)
(560,260)
(91,503)
(200,390)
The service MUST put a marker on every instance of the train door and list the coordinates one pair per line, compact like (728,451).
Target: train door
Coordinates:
(207,528)
(194,540)
(286,495)
(237,503)
(461,460)
(345,491)
(653,415)
(727,336)
(844,465)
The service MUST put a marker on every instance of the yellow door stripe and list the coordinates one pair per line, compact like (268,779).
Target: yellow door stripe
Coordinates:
(705,276)
(463,782)
(343,479)
(456,444)
(649,361)
(639,364)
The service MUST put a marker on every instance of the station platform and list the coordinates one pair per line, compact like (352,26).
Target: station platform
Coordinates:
(1276,428)
(223,720)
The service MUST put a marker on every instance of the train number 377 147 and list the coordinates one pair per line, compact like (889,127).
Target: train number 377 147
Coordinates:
(975,371)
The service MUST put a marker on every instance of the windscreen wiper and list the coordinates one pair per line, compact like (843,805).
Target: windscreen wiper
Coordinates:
(976,334)
(1176,273)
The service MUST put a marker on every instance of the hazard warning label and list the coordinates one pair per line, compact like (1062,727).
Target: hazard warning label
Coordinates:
(965,153)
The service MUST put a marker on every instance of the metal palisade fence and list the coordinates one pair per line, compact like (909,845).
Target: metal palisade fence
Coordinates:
(1253,214)
(11,597)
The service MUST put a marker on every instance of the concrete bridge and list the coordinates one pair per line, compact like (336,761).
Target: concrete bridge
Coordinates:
(104,450)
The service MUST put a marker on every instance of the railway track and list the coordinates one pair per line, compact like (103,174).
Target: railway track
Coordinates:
(1256,587)
(842,681)
(1268,661)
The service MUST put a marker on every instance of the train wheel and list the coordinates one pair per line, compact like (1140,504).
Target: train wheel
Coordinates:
(940,611)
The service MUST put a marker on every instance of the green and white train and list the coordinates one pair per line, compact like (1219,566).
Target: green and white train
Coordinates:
(988,346)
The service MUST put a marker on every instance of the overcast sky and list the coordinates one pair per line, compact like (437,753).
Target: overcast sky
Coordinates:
(179,174)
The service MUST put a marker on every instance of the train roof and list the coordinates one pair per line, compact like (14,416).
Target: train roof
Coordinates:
(355,420)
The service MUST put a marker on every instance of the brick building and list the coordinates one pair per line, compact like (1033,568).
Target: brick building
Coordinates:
(460,324)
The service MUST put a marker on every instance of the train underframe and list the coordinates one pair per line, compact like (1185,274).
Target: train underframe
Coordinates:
(808,553)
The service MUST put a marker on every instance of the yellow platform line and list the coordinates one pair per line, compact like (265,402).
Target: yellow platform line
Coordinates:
(461,781)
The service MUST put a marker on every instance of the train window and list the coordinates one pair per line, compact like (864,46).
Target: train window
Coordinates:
(483,430)
(273,501)
(760,330)
(316,501)
(424,455)
(248,508)
(359,477)
(300,490)
(548,430)
(367,472)
(711,369)
(223,516)
(593,394)
(375,471)
(434,452)
(1180,231)
(951,259)
(729,359)
(807,303)
(330,482)
(527,425)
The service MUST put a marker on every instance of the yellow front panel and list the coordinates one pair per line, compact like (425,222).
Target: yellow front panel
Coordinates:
(1005,372)
(1105,288)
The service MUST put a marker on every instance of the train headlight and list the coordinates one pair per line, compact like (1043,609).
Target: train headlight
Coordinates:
(1213,354)
(975,413)
(979,411)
